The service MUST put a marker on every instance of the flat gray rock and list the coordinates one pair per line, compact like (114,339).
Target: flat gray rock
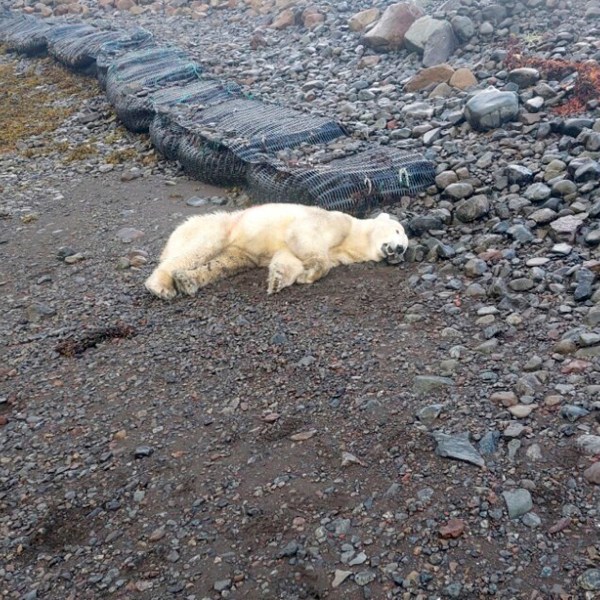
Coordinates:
(457,445)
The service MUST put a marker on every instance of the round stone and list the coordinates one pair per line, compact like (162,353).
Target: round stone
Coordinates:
(590,580)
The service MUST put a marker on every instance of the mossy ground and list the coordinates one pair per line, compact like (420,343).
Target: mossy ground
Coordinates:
(37,99)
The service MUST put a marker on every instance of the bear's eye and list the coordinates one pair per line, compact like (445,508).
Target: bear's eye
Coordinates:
(398,231)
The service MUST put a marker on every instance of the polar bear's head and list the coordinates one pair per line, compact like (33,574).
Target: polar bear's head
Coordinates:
(389,238)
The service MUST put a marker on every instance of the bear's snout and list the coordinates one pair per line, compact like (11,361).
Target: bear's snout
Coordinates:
(393,253)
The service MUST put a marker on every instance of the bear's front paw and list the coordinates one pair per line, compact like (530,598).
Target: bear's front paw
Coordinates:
(160,284)
(185,282)
(275,283)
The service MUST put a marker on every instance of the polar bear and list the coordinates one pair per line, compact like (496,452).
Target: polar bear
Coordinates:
(298,244)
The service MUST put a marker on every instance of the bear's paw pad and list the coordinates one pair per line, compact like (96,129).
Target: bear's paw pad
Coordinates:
(276,281)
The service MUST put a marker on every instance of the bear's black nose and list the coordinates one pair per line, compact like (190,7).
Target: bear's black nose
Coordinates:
(393,254)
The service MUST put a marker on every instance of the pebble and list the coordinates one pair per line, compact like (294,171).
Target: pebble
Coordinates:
(428,414)
(363,578)
(65,251)
(531,520)
(157,534)
(513,430)
(489,442)
(359,559)
(504,398)
(592,473)
(513,447)
(458,191)
(590,580)
(340,577)
(143,451)
(572,412)
(195,201)
(534,452)
(74,258)
(522,411)
(221,585)
(518,502)
(454,528)
(129,234)
(426,384)
(472,209)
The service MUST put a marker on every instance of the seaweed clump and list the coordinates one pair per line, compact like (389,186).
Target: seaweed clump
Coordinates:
(78,345)
(586,86)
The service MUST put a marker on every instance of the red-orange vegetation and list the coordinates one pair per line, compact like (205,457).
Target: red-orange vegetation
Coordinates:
(586,85)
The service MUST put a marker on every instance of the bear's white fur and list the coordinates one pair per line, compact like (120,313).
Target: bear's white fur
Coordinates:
(299,244)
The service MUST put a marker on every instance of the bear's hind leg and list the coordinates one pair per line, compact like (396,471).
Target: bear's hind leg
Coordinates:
(229,262)
(312,252)
(284,270)
(314,268)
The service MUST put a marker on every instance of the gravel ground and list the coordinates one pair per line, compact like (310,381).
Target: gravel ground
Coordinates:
(423,431)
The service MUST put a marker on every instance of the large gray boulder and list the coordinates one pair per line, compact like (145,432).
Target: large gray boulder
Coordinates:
(464,28)
(440,46)
(422,30)
(390,30)
(491,108)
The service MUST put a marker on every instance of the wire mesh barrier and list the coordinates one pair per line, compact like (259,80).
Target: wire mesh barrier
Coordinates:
(10,20)
(25,34)
(165,132)
(133,78)
(221,141)
(195,95)
(166,136)
(354,184)
(139,39)
(80,51)
(218,136)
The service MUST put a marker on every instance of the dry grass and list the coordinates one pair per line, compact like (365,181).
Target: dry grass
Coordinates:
(122,155)
(80,152)
(37,100)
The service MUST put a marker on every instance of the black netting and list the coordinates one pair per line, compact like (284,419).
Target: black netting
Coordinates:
(141,67)
(8,20)
(138,39)
(25,34)
(68,31)
(132,79)
(222,140)
(167,103)
(195,94)
(80,52)
(217,135)
(166,136)
(250,128)
(355,184)
(210,161)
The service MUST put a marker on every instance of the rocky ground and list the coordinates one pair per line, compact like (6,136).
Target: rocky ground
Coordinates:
(423,431)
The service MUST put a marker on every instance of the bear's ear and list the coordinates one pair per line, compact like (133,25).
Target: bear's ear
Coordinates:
(383,216)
